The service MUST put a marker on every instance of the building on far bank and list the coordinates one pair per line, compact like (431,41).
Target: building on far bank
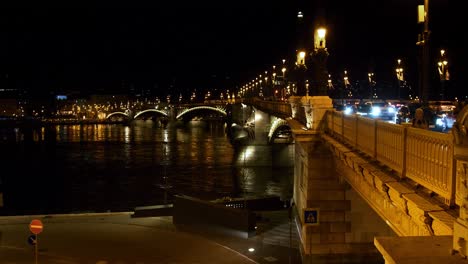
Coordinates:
(8,107)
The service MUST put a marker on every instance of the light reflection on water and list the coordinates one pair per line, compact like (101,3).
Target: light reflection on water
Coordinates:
(99,167)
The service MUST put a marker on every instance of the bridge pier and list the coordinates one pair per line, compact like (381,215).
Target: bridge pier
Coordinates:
(347,224)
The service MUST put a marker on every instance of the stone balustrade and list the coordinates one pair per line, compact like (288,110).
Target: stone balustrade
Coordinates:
(280,109)
(423,156)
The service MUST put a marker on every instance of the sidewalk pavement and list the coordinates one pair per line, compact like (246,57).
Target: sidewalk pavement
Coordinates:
(110,238)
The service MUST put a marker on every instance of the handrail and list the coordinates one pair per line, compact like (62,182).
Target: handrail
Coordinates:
(281,109)
(424,156)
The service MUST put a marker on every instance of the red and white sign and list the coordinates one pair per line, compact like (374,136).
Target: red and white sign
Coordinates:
(36,226)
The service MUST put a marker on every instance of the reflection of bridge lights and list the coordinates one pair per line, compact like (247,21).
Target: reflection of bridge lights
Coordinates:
(258,116)
(247,153)
(166,136)
(127,134)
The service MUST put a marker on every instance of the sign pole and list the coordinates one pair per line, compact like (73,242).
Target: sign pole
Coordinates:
(36,227)
(311,218)
(36,245)
(310,245)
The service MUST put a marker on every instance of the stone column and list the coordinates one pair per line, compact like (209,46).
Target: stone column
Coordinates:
(460,227)
(315,183)
(297,109)
(315,108)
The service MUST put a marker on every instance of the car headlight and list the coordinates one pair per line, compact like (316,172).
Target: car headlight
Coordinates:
(348,110)
(439,122)
(375,111)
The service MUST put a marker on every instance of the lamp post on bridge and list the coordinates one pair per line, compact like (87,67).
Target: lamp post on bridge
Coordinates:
(400,77)
(316,105)
(442,67)
(284,82)
(423,41)
(300,71)
(319,59)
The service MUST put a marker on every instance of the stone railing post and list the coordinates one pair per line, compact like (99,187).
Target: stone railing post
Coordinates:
(295,102)
(315,108)
(460,227)
(310,110)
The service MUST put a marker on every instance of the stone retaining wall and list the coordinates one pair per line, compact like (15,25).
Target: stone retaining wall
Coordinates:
(408,211)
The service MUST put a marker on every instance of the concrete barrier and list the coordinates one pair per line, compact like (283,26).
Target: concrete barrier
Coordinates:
(153,210)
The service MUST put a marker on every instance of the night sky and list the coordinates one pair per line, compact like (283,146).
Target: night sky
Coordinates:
(202,46)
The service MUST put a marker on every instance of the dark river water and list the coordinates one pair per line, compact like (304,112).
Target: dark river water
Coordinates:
(115,167)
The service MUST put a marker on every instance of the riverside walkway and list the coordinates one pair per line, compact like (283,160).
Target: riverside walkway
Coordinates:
(118,238)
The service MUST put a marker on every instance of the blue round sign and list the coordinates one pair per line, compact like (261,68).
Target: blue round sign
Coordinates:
(32,240)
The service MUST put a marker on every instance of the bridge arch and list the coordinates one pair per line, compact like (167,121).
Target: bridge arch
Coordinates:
(164,113)
(279,126)
(116,113)
(217,109)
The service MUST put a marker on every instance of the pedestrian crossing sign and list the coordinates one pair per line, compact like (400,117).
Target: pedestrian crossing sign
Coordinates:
(311,216)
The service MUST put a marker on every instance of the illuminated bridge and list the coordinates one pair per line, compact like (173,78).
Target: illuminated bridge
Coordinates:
(171,112)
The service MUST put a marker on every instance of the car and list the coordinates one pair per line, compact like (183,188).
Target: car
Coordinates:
(364,109)
(380,110)
(444,119)
(438,118)
(348,109)
(403,115)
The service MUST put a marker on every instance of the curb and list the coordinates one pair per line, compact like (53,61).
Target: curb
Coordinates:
(64,215)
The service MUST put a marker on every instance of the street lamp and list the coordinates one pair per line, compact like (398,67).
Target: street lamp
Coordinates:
(442,66)
(329,82)
(320,38)
(400,77)
(373,91)
(319,59)
(283,70)
(346,83)
(423,41)
(260,93)
(301,58)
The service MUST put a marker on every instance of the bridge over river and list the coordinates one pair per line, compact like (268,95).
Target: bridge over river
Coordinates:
(172,112)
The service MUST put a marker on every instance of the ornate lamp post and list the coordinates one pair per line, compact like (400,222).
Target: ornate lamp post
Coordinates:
(283,88)
(320,56)
(423,41)
(346,84)
(442,67)
(330,83)
(373,91)
(300,70)
(400,78)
